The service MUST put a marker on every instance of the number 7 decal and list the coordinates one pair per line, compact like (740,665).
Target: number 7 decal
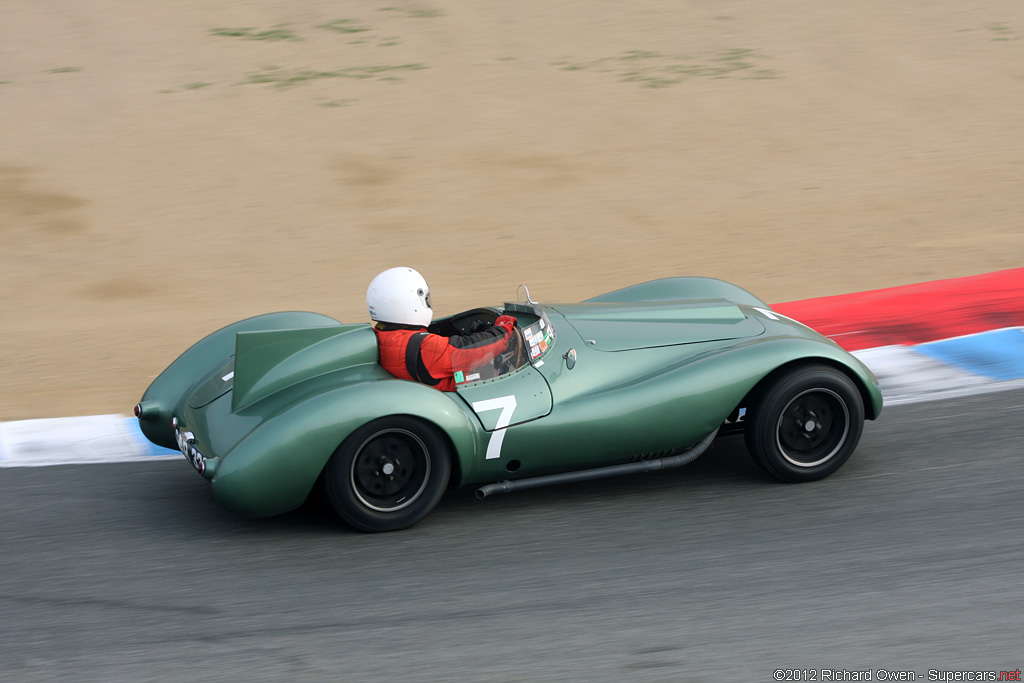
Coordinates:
(507,405)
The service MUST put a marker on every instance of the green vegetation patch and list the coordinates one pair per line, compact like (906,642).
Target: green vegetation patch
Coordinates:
(197,85)
(287,78)
(274,34)
(64,70)
(414,13)
(1003,33)
(338,103)
(656,70)
(344,26)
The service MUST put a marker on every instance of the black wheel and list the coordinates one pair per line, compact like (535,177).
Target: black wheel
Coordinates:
(806,424)
(388,474)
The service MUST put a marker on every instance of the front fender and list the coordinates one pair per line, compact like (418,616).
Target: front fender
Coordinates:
(660,407)
(757,359)
(275,467)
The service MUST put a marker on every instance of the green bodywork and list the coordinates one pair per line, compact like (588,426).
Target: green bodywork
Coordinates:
(658,366)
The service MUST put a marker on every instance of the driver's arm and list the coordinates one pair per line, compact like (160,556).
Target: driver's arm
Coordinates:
(442,356)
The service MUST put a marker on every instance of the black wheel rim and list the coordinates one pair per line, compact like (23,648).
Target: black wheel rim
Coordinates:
(812,427)
(390,470)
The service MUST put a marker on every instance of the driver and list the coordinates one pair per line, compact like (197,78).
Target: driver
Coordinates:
(399,301)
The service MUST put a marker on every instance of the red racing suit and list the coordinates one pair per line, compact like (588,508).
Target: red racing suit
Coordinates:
(438,357)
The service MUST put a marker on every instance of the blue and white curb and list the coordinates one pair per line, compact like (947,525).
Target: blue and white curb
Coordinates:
(950,368)
(998,354)
(78,441)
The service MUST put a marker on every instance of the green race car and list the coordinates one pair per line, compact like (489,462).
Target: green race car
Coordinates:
(639,379)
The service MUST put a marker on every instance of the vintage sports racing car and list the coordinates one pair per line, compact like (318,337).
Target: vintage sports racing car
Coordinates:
(639,379)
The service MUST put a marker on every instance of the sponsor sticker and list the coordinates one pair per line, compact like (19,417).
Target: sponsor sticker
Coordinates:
(459,377)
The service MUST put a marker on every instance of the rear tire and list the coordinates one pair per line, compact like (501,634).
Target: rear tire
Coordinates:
(806,424)
(388,474)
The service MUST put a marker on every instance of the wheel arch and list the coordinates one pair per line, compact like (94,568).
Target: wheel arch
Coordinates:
(276,466)
(453,452)
(871,412)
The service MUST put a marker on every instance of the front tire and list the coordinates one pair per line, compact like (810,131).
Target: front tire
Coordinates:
(388,474)
(806,424)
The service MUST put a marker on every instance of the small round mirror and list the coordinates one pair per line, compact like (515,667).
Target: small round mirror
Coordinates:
(570,359)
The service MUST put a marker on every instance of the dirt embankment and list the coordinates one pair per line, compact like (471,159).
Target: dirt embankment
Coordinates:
(165,170)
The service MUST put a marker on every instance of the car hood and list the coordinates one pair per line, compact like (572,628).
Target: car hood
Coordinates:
(626,326)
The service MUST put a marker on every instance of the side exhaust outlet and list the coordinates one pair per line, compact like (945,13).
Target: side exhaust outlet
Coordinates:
(670,462)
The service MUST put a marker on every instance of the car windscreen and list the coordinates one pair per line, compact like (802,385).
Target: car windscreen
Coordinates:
(539,335)
(533,337)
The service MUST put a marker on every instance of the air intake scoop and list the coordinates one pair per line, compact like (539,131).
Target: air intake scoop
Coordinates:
(626,326)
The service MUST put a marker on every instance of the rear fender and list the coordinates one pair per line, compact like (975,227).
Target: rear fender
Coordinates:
(166,396)
(275,467)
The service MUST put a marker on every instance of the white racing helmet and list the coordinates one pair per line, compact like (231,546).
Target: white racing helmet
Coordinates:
(399,295)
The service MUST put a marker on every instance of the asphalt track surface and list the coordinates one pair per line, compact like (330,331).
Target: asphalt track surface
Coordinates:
(909,558)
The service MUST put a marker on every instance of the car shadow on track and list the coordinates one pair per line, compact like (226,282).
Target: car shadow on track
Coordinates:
(725,469)
(725,464)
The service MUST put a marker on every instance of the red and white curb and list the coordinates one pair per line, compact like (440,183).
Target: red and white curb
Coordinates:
(929,341)
(932,341)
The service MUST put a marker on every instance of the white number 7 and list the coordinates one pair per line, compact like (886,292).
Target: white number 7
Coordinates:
(507,404)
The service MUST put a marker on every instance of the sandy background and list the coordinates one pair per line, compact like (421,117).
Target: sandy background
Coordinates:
(166,169)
